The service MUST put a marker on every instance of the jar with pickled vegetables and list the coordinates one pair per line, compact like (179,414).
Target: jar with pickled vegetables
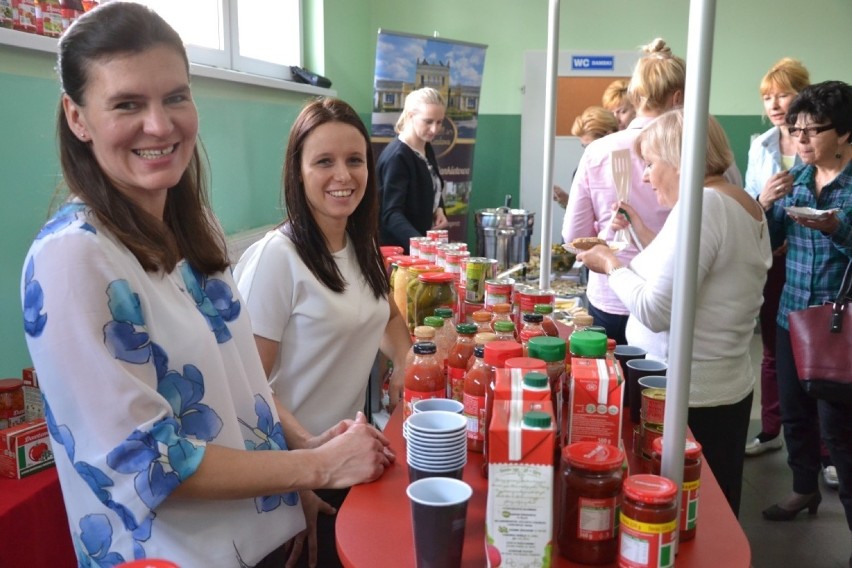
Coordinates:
(431,289)
(399,282)
(424,378)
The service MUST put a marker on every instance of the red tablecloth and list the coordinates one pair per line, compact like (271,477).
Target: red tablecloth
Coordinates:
(33,527)
(374,523)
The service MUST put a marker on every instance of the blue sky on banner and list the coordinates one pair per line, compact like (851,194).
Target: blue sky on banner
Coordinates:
(397,55)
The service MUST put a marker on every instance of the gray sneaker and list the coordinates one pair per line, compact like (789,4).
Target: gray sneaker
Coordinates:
(829,475)
(756,447)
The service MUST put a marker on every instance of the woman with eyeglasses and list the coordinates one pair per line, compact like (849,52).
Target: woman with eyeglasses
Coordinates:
(819,249)
(770,158)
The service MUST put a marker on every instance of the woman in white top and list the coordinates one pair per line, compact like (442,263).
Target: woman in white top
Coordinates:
(734,256)
(316,287)
(166,438)
(770,157)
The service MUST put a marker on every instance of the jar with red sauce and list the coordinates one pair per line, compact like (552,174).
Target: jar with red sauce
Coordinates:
(590,496)
(690,488)
(459,358)
(424,378)
(648,524)
(11,402)
(496,354)
(546,311)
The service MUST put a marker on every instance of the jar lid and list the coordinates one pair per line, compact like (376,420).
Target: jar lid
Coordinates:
(411,261)
(425,348)
(436,277)
(588,344)
(584,320)
(501,308)
(547,348)
(418,269)
(424,331)
(598,328)
(7,385)
(535,380)
(444,312)
(466,328)
(434,321)
(692,449)
(543,309)
(504,326)
(533,318)
(481,315)
(593,456)
(484,337)
(537,419)
(525,364)
(647,488)
(498,351)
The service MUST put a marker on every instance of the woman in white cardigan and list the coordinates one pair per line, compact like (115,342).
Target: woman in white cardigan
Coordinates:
(734,256)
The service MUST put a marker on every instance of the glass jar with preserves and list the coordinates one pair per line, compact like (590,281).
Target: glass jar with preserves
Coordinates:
(399,282)
(427,292)
(690,488)
(424,378)
(546,311)
(459,358)
(11,402)
(648,524)
(590,497)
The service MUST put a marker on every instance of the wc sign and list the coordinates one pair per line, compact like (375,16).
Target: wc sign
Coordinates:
(592,62)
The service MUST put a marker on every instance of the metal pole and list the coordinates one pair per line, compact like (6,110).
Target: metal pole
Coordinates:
(702,16)
(549,140)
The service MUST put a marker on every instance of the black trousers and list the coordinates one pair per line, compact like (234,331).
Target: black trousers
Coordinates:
(722,432)
(326,540)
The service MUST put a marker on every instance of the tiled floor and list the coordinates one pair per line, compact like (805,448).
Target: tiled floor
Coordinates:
(821,541)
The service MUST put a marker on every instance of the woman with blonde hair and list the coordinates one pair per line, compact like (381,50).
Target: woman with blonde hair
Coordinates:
(616,100)
(770,158)
(733,258)
(410,182)
(593,123)
(657,84)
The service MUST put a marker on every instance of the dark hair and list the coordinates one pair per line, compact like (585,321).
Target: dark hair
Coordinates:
(188,229)
(362,226)
(829,101)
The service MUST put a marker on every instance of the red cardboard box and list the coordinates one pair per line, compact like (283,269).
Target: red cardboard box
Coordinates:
(595,401)
(519,510)
(509,385)
(25,449)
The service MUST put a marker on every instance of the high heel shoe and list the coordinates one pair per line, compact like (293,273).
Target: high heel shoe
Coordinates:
(778,513)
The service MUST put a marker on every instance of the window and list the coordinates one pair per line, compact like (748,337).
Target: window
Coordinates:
(252,36)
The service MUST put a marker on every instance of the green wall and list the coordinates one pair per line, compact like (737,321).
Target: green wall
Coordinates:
(244,128)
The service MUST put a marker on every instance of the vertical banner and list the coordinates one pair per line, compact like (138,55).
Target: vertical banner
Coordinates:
(406,62)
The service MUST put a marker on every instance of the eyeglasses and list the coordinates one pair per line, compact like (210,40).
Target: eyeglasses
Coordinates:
(809,130)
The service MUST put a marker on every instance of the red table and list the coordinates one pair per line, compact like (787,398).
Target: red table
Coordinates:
(33,526)
(374,523)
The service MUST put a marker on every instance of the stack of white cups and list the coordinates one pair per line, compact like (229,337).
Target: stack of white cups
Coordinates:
(436,444)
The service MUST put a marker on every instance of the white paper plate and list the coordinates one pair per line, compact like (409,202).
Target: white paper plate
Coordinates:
(615,247)
(809,212)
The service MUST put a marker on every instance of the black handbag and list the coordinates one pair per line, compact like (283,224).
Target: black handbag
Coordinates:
(821,337)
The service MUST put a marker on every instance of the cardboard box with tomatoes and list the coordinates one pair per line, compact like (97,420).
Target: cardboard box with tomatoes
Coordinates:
(25,449)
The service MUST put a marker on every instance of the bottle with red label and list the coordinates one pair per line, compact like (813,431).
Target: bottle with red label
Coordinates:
(590,496)
(546,311)
(532,328)
(496,355)
(424,378)
(459,358)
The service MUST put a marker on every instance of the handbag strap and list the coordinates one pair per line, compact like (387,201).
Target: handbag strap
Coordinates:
(839,305)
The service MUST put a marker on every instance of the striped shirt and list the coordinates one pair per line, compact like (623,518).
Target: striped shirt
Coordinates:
(815,260)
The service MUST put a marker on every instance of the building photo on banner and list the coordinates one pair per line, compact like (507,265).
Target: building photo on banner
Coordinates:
(405,63)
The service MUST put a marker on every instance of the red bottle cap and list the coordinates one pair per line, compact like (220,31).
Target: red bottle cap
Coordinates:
(525,364)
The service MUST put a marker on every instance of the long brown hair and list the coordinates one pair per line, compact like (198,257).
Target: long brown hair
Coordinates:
(362,226)
(188,229)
